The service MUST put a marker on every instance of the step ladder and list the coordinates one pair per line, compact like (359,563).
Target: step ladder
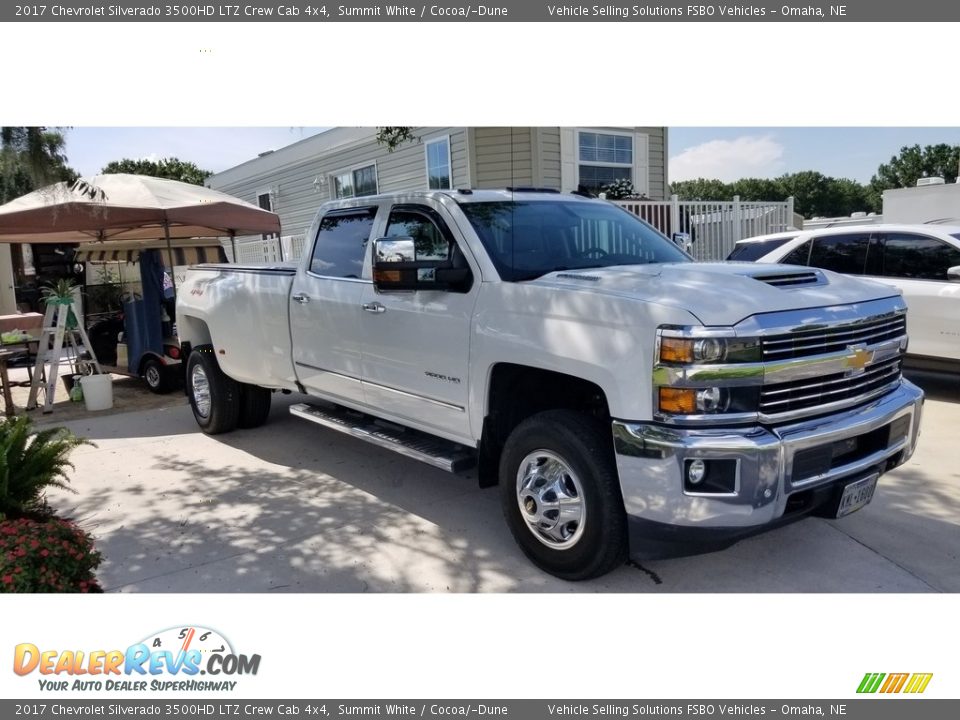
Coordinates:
(55,327)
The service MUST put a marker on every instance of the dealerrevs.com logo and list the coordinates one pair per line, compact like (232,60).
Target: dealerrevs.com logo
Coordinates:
(176,659)
(890,683)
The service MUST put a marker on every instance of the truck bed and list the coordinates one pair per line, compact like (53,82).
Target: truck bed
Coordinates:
(244,311)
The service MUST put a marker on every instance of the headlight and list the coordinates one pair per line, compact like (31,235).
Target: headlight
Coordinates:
(690,350)
(676,349)
(700,372)
(707,401)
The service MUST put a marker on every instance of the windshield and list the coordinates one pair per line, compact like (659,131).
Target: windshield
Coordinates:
(527,239)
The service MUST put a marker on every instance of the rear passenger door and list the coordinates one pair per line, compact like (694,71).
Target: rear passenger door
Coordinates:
(846,253)
(917,264)
(325,306)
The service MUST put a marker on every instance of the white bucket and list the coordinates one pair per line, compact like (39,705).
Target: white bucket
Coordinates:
(97,392)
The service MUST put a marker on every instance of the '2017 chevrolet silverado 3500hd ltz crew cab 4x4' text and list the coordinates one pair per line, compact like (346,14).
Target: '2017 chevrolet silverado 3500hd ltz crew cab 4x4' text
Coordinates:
(627,400)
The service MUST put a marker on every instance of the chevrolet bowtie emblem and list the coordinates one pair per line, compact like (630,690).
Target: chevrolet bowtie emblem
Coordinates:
(858,358)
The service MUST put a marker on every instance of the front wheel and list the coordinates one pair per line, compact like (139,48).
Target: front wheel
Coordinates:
(214,397)
(561,495)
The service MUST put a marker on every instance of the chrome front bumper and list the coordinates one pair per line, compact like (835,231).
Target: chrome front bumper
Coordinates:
(651,460)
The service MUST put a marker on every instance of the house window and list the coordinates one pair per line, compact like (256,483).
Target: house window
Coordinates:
(438,164)
(603,158)
(265,202)
(356,183)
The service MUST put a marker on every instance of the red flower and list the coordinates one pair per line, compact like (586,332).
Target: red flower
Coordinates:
(8,579)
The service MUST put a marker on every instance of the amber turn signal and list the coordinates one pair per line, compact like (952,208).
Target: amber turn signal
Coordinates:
(389,276)
(676,350)
(678,401)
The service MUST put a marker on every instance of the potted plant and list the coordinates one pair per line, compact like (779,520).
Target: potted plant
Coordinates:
(63,292)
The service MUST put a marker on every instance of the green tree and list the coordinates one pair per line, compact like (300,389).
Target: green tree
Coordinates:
(913,163)
(701,189)
(814,194)
(759,189)
(31,157)
(170,168)
(394,137)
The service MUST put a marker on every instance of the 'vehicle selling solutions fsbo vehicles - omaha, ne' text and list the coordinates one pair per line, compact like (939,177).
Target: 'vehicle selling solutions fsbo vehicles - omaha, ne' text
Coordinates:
(626,400)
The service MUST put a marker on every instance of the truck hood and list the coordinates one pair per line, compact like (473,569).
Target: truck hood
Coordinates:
(722,293)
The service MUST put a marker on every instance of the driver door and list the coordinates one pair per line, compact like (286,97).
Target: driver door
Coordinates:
(416,348)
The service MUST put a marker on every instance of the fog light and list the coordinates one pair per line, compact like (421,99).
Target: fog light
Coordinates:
(696,471)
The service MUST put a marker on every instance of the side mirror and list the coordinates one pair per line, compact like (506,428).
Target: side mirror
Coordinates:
(953,274)
(683,240)
(395,267)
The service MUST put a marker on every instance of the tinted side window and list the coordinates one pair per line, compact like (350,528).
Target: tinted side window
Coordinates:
(798,256)
(750,251)
(840,253)
(918,257)
(427,230)
(341,243)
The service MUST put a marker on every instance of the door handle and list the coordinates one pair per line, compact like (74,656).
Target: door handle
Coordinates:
(301,298)
(374,307)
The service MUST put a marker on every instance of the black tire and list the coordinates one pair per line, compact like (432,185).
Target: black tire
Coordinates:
(584,445)
(155,375)
(224,406)
(254,406)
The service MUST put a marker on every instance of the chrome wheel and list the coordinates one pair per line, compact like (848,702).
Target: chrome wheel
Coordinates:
(200,389)
(152,376)
(551,499)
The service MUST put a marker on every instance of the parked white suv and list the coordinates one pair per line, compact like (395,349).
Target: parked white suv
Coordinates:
(922,261)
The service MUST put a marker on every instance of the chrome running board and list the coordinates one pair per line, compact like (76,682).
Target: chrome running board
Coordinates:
(414,444)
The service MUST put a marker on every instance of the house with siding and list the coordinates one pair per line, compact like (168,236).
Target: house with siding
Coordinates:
(347,162)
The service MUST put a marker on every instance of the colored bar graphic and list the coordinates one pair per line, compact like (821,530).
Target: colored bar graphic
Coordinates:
(870,682)
(895,683)
(918,682)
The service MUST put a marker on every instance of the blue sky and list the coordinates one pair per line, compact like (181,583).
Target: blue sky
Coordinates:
(735,152)
(215,149)
(726,153)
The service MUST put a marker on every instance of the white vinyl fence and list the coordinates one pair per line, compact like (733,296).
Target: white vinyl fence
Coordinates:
(714,226)
(268,250)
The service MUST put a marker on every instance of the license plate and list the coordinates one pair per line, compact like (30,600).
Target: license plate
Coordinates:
(856,495)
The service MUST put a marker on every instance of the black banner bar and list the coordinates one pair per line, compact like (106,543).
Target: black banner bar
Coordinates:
(497,11)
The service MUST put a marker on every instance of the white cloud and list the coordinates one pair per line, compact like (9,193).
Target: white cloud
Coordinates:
(728,160)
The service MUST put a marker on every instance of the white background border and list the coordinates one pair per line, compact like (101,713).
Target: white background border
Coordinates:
(617,73)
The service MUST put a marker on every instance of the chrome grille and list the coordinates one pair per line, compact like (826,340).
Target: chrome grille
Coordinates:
(820,340)
(803,394)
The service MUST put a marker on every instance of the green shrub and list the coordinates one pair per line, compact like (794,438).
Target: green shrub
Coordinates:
(50,555)
(30,462)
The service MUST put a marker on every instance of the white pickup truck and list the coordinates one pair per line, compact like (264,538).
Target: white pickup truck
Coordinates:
(628,401)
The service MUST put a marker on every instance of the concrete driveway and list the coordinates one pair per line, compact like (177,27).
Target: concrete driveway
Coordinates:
(291,507)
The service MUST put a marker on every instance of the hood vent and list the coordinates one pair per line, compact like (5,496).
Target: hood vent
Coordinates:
(792,279)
